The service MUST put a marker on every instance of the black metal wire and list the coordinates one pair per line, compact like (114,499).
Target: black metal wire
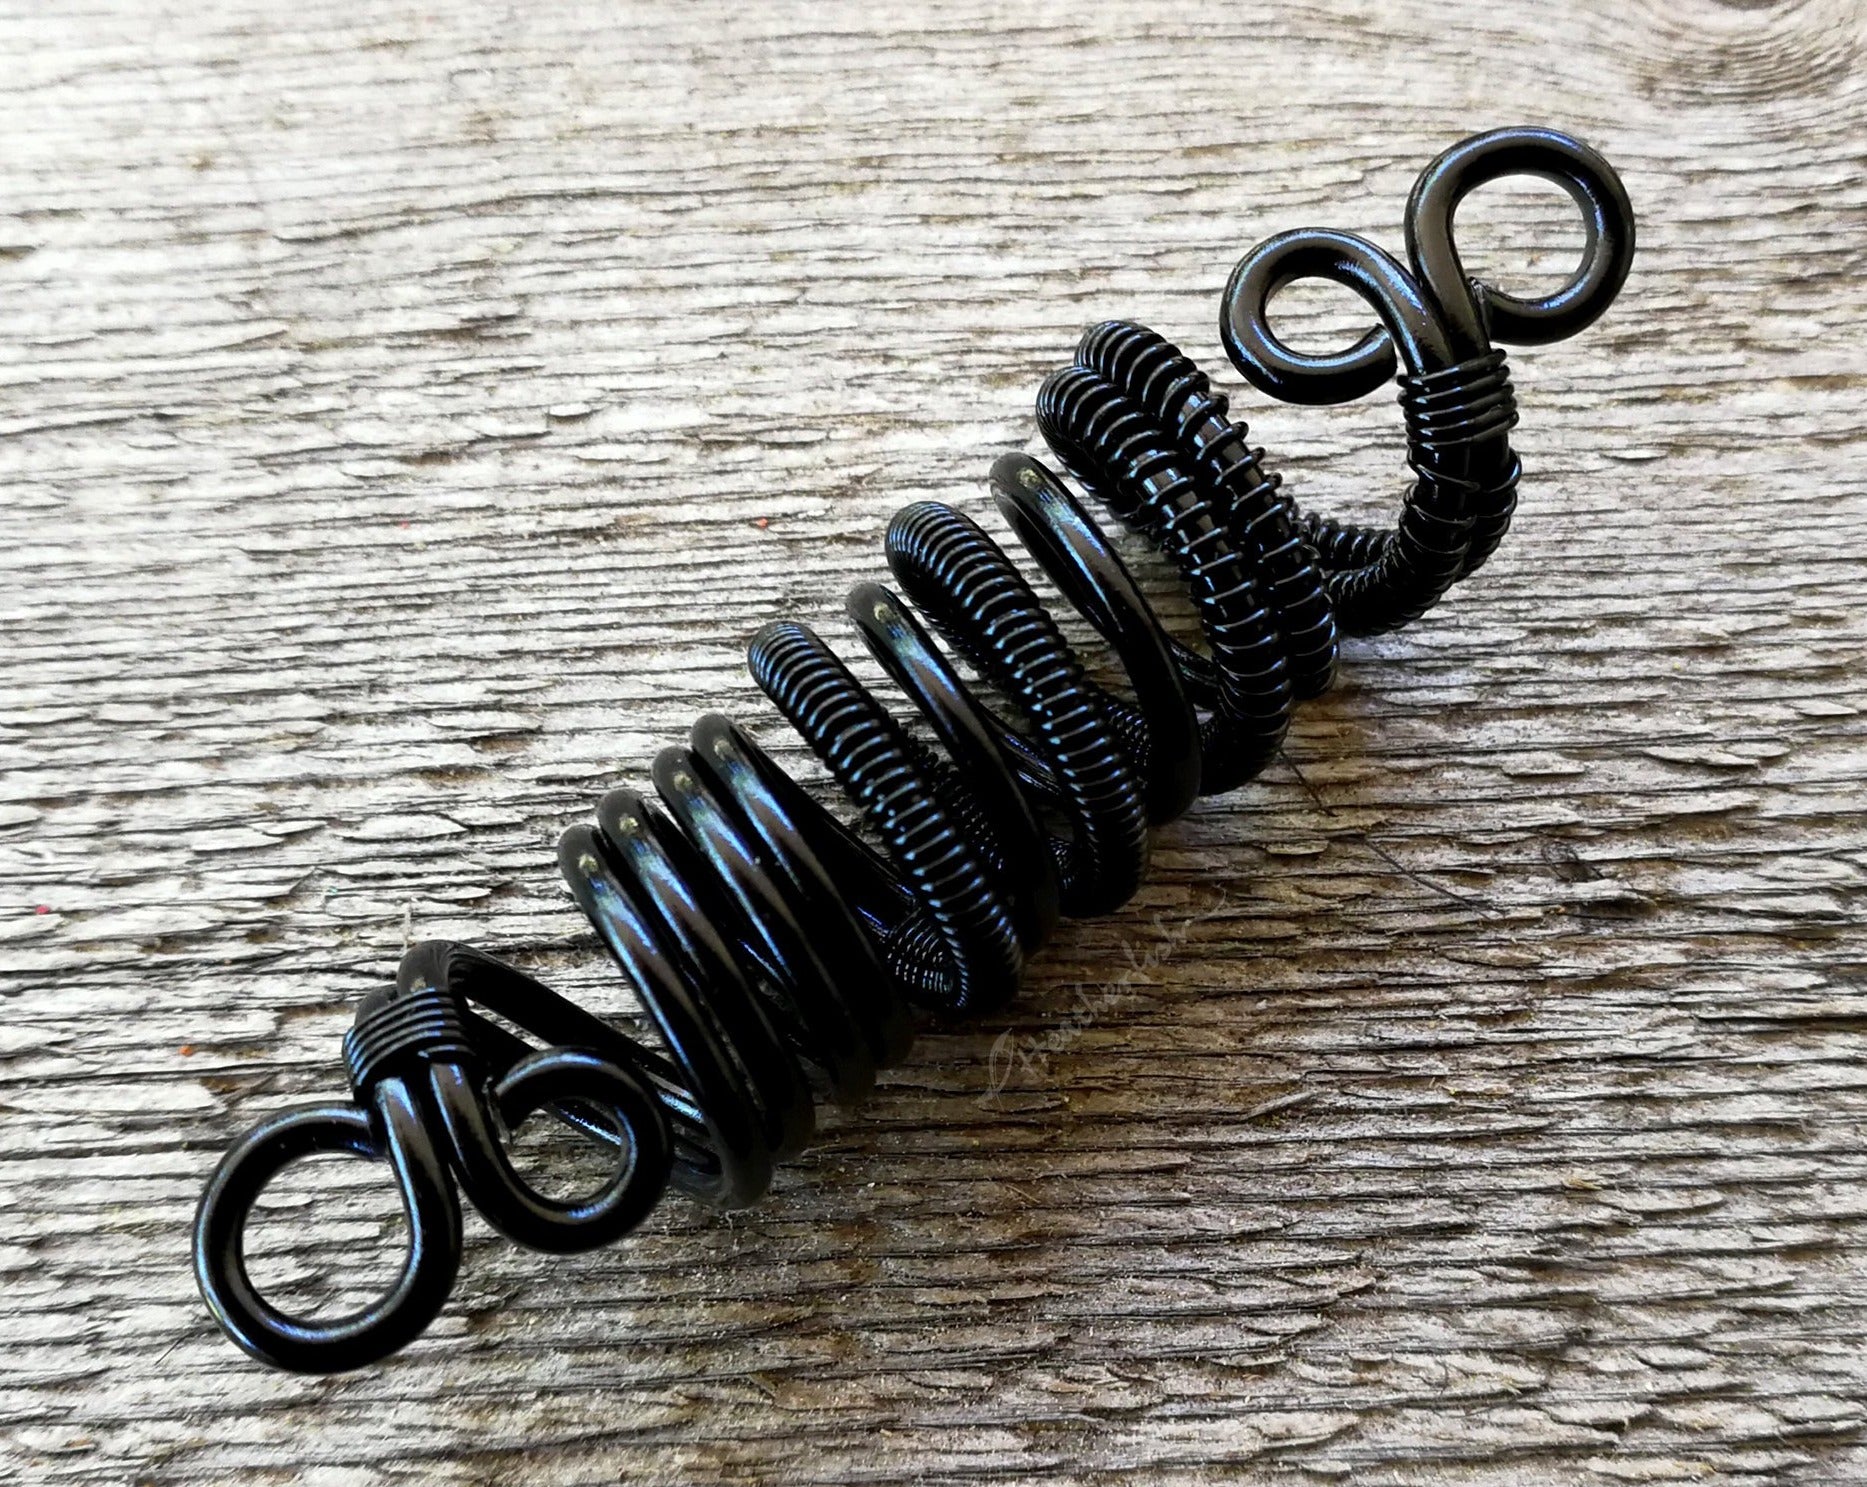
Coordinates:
(781,958)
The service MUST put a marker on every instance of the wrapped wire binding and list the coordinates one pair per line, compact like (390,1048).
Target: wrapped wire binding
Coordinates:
(779,956)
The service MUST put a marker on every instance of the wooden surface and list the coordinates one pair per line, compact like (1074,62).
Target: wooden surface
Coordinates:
(410,409)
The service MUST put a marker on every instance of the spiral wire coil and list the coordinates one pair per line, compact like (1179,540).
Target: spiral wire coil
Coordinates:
(781,958)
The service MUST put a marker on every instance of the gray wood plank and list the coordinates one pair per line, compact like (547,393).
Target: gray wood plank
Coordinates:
(409,410)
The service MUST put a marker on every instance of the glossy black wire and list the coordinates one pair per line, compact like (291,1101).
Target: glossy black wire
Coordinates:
(1441,327)
(781,958)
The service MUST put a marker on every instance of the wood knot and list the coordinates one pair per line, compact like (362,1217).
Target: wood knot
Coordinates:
(1736,51)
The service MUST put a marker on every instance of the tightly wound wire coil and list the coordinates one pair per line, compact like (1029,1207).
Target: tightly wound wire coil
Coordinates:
(783,959)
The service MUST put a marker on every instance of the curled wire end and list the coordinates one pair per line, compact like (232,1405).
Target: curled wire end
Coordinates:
(425,1104)
(1479,308)
(1429,314)
(1437,328)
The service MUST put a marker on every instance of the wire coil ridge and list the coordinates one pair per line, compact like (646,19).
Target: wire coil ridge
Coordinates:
(781,957)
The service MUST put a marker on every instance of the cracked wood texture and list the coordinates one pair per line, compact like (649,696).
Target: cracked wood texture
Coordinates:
(410,409)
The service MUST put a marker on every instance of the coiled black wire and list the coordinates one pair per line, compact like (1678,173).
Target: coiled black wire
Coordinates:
(781,957)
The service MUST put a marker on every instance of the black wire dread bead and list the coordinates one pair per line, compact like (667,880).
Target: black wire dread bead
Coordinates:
(779,956)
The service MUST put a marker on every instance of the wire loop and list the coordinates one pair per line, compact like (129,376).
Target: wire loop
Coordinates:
(425,1105)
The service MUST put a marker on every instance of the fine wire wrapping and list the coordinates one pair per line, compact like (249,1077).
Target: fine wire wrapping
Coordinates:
(780,958)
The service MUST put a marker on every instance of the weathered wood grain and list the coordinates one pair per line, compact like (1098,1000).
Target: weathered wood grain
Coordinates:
(409,409)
